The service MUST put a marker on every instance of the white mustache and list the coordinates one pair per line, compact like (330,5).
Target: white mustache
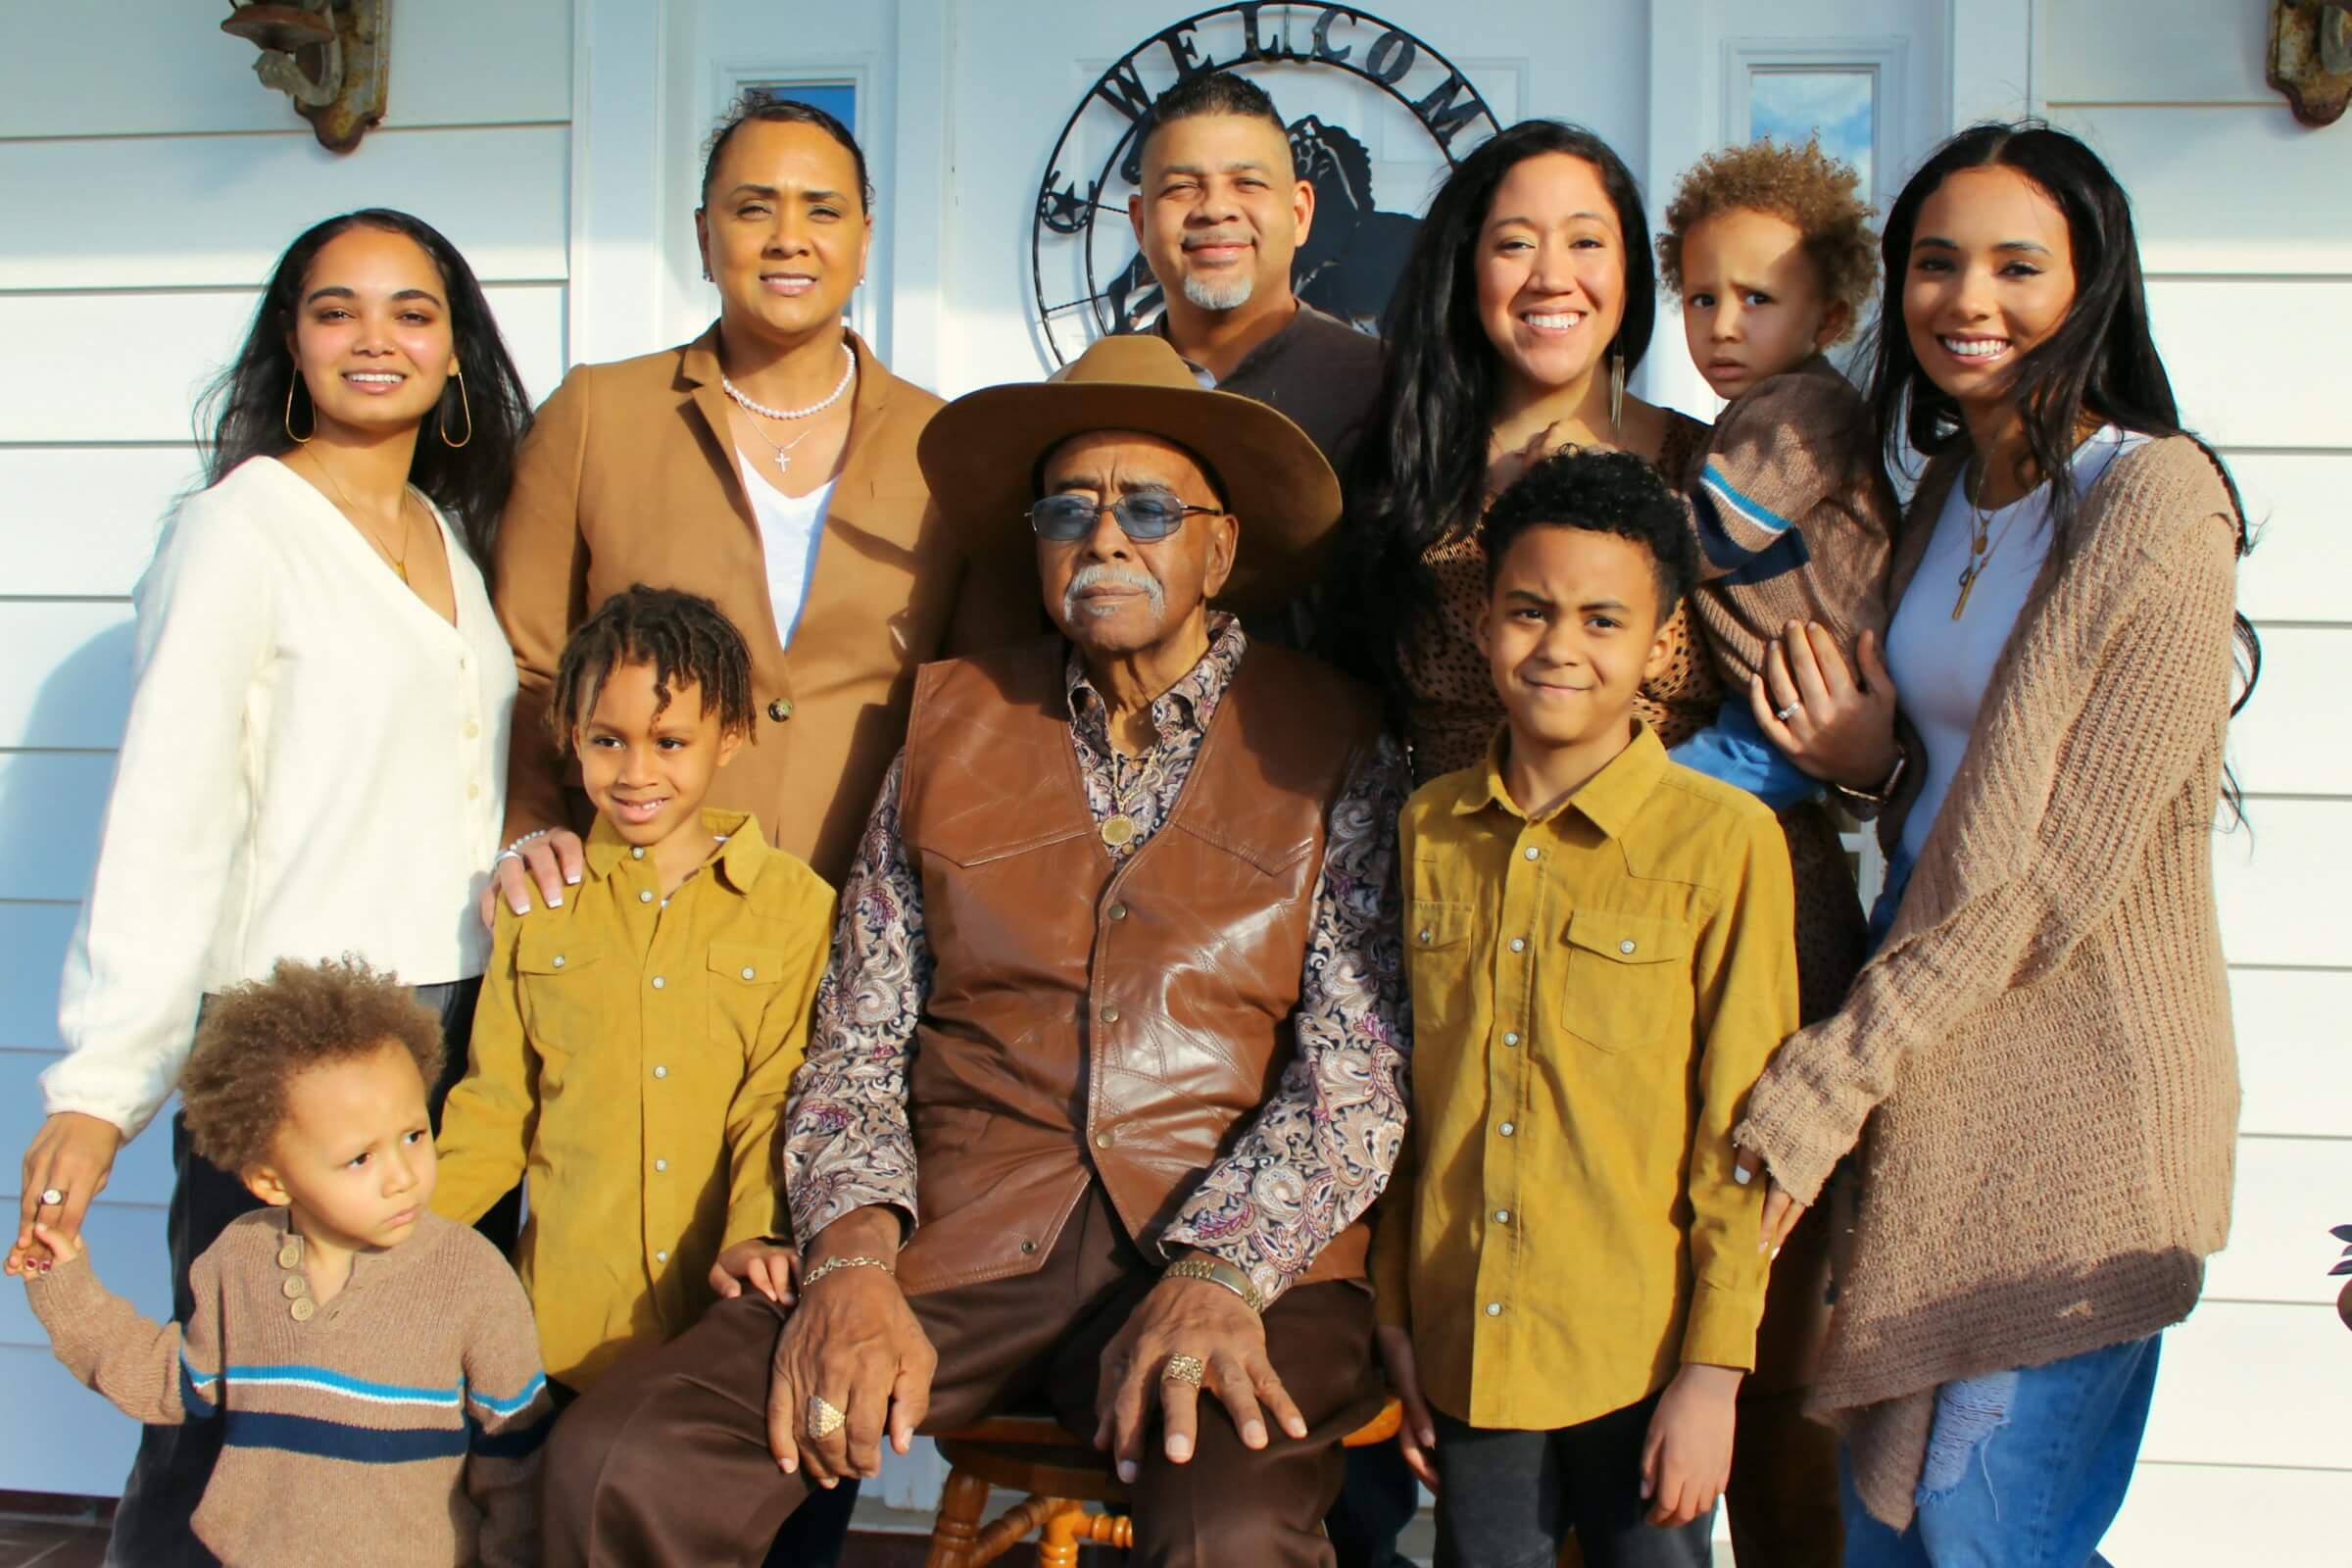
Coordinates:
(1101,573)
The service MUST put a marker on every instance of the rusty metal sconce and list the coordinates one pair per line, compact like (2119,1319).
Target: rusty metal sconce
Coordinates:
(2310,57)
(332,56)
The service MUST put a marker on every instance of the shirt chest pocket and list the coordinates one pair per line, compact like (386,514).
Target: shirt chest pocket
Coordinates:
(564,983)
(1628,980)
(743,978)
(1437,970)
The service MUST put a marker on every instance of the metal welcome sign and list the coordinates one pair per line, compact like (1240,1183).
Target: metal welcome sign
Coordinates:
(1386,109)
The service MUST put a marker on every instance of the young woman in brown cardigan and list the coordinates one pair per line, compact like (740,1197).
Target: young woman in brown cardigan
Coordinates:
(2035,1070)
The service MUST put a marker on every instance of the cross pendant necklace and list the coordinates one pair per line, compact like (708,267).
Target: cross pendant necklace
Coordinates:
(783,452)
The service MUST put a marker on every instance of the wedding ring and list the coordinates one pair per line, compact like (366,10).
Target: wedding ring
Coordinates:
(1783,714)
(51,1198)
(1184,1369)
(824,1419)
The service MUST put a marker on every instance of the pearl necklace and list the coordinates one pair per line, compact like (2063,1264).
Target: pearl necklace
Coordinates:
(848,372)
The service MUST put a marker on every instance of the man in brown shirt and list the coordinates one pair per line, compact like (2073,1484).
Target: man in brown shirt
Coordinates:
(1110,1061)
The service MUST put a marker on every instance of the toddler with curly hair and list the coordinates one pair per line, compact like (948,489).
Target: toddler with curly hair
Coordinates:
(372,1365)
(1771,251)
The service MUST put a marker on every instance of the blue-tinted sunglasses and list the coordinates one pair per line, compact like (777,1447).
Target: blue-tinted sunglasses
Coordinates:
(1146,517)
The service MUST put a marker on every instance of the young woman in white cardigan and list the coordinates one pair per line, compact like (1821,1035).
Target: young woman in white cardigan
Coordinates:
(316,755)
(2035,1070)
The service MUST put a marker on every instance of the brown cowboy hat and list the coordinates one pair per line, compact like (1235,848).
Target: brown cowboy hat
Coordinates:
(981,453)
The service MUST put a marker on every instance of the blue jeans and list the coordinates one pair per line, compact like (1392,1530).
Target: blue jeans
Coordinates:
(2025,1469)
(1734,750)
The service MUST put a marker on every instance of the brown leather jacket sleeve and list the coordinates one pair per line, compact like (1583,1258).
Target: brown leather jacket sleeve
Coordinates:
(539,586)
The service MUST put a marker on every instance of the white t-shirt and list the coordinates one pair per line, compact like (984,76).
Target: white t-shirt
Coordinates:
(315,763)
(1941,666)
(791,528)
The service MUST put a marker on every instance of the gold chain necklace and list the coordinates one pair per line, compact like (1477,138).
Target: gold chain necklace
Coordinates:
(400,563)
(1982,541)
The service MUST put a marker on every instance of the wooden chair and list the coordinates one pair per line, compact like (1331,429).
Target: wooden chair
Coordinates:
(1060,1476)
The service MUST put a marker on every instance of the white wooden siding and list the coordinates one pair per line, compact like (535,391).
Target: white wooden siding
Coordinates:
(2249,253)
(150,183)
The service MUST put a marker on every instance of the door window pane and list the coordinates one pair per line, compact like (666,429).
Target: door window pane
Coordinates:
(836,98)
(1840,104)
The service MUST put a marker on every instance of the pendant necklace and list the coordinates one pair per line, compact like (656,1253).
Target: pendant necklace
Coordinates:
(1982,542)
(1118,828)
(848,374)
(400,563)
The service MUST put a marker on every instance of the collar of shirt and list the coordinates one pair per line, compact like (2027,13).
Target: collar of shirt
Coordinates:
(1190,704)
(1257,359)
(739,859)
(1609,800)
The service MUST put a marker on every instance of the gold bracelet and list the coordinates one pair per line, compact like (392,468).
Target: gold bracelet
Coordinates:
(832,1263)
(1216,1271)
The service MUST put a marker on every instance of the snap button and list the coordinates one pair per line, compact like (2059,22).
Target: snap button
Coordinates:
(1494,1309)
(1533,854)
(1028,1246)
(661,1164)
(1506,1129)
(1118,911)
(1425,933)
(1511,1037)
(646,896)
(779,709)
(1102,1140)
(558,960)
(656,982)
(636,851)
(1502,1216)
(747,971)
(1111,1015)
(661,1256)
(1627,946)
(1518,944)
(661,1072)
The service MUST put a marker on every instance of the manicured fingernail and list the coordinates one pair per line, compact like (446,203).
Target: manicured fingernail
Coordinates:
(789,1466)
(829,1483)
(1254,1433)
(1429,1437)
(520,909)
(1128,1471)
(572,879)
(1739,1174)
(555,902)
(1179,1447)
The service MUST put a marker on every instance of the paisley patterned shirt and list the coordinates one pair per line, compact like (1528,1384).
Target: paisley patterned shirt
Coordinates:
(1321,1148)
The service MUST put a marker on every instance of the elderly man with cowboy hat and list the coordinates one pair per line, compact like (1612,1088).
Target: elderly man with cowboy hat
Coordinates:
(1110,1059)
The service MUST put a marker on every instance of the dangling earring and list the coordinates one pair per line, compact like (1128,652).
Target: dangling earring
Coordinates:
(298,440)
(1617,395)
(465,407)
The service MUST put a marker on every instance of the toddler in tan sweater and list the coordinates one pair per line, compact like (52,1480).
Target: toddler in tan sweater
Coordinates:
(375,1366)
(1771,251)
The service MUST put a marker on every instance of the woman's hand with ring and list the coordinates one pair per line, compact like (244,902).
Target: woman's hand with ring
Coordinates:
(1808,702)
(66,1165)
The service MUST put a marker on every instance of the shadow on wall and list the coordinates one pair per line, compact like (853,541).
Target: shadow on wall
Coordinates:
(53,794)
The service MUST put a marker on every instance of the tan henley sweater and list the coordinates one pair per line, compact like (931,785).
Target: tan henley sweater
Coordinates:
(396,1427)
(2038,1062)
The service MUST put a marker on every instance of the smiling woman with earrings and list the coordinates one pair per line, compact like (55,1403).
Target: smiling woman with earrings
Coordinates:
(315,756)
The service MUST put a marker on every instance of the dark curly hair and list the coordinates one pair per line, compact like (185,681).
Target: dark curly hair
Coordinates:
(684,636)
(255,1037)
(1598,492)
(1820,197)
(243,413)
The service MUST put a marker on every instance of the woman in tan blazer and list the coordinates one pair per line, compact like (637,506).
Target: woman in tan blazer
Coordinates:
(768,464)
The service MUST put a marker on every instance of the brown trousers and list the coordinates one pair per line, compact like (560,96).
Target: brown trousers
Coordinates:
(666,1461)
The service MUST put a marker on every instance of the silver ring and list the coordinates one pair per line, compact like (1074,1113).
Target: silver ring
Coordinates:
(51,1198)
(1783,714)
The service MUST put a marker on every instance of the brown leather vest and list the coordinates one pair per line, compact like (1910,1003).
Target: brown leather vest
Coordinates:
(1091,1017)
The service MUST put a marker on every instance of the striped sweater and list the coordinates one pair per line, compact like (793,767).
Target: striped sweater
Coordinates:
(397,1425)
(1795,520)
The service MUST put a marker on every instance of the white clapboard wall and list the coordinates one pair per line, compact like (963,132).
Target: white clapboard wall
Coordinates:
(2248,246)
(147,185)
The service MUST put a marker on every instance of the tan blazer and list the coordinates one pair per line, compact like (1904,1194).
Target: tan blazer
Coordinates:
(628,476)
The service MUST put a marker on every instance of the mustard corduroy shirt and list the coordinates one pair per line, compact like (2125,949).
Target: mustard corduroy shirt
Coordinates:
(1594,992)
(632,1059)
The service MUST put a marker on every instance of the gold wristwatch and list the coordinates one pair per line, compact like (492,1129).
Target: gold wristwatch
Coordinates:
(1216,1271)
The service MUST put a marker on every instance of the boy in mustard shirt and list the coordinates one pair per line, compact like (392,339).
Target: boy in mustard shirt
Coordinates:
(1598,947)
(633,1044)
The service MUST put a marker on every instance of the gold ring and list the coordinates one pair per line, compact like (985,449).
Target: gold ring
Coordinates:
(1184,1369)
(824,1419)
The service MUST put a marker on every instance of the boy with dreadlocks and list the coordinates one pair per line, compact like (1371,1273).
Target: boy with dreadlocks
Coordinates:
(634,1042)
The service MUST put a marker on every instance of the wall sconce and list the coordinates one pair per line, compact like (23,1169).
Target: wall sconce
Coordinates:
(332,56)
(2310,57)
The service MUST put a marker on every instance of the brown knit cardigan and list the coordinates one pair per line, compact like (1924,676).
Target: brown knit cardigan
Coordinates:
(2038,1063)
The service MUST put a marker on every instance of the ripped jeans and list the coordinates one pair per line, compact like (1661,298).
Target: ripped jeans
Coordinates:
(2025,1469)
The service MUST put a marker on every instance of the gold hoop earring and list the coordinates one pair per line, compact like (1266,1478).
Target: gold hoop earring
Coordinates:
(1616,394)
(463,404)
(298,440)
